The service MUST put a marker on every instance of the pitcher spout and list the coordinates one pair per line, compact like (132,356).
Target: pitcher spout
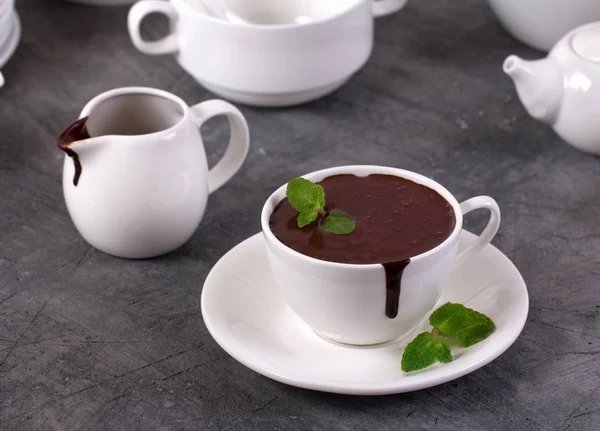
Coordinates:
(75,141)
(539,85)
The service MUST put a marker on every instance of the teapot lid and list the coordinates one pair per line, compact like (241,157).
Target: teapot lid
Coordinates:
(586,43)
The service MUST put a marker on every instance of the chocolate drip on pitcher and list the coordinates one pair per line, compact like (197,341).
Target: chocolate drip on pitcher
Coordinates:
(75,132)
(393,286)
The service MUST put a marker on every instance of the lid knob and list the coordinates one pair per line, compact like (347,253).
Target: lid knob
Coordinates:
(586,43)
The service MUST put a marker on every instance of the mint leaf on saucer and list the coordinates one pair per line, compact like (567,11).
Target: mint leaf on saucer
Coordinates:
(461,324)
(420,353)
(454,322)
(442,350)
(305,196)
(424,350)
(337,223)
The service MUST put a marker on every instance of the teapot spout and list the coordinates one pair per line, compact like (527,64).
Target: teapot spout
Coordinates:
(539,85)
(76,142)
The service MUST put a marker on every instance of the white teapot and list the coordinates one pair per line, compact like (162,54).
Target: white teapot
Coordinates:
(563,89)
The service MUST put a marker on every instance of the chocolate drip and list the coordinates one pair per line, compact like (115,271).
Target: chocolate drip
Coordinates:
(75,132)
(393,286)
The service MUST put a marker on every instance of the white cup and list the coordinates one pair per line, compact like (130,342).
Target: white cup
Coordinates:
(346,302)
(144,182)
(266,65)
(542,23)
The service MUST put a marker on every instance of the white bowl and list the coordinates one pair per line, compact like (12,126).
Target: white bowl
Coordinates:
(265,65)
(542,23)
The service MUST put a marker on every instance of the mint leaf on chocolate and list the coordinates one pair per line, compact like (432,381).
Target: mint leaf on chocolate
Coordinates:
(338,223)
(307,217)
(453,322)
(461,324)
(308,199)
(305,196)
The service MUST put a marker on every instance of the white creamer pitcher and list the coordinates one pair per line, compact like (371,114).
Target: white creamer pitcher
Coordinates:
(135,178)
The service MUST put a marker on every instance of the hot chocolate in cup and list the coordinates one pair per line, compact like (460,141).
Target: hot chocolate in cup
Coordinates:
(370,303)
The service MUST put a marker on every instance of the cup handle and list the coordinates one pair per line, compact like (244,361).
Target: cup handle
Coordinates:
(387,7)
(239,141)
(138,12)
(490,230)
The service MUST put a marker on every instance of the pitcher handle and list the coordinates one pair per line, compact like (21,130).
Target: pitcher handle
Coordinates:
(138,12)
(490,230)
(239,141)
(387,7)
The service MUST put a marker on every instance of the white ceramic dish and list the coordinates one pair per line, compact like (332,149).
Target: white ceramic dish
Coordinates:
(541,23)
(6,5)
(266,65)
(6,31)
(5,13)
(10,45)
(272,100)
(6,20)
(103,2)
(245,313)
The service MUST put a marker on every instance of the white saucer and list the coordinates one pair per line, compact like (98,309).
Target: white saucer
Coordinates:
(272,100)
(244,313)
(8,47)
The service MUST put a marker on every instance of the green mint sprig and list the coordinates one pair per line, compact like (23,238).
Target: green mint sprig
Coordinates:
(308,199)
(453,322)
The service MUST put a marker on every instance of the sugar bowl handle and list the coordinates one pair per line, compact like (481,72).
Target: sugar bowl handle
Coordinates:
(138,12)
(387,7)
(239,141)
(490,230)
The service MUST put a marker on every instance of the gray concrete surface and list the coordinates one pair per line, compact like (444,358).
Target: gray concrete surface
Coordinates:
(88,341)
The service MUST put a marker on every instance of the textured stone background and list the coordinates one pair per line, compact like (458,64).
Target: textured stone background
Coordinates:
(88,341)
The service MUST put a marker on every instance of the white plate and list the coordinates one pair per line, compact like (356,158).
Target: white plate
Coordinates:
(8,47)
(244,313)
